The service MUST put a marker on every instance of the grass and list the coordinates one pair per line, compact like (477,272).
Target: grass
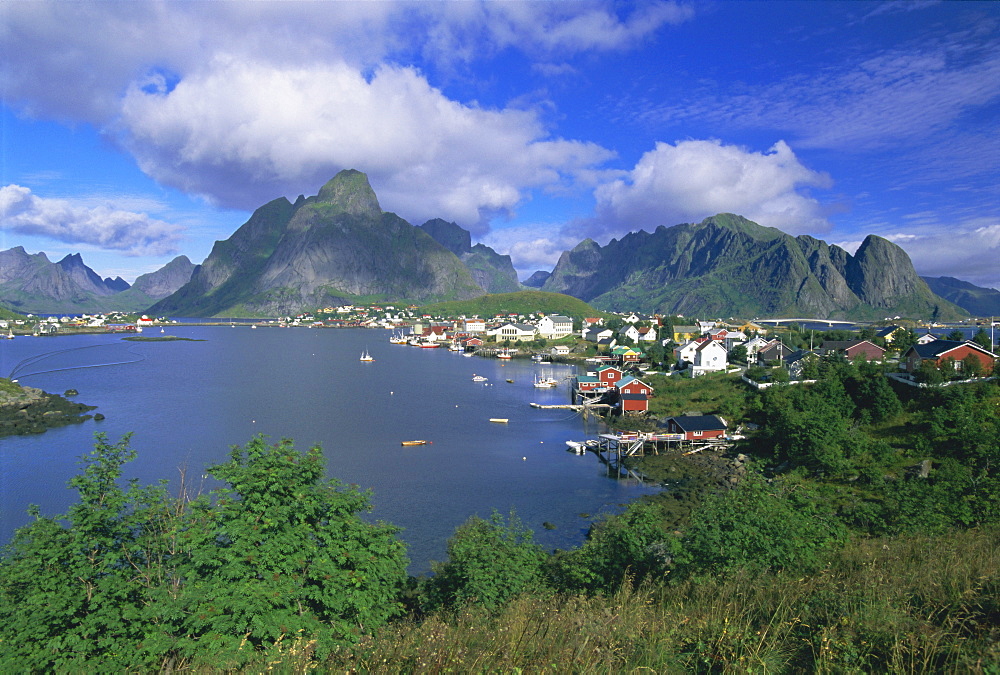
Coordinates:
(916,604)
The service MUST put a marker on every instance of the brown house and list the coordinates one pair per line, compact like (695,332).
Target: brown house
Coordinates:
(851,349)
(696,427)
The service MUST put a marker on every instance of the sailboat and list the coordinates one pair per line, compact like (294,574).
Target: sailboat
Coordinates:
(365,356)
(10,334)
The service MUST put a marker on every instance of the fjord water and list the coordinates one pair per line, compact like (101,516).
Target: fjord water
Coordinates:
(188,402)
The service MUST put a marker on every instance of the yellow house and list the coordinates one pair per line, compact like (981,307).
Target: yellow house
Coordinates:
(684,333)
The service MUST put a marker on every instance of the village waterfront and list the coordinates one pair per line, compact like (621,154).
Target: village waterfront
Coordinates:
(187,401)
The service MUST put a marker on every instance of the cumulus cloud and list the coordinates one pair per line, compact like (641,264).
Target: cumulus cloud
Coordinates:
(691,180)
(73,223)
(532,247)
(243,132)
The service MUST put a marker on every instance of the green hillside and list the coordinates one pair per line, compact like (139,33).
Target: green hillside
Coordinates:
(521,302)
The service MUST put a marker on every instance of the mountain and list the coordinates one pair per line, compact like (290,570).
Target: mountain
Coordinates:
(537,279)
(148,288)
(493,272)
(730,266)
(976,300)
(30,283)
(337,247)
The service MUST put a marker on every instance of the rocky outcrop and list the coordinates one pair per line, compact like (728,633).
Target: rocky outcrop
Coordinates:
(26,410)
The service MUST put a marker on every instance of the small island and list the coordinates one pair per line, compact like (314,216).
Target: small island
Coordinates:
(27,410)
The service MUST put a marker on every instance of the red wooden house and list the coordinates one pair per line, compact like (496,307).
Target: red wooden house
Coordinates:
(696,427)
(854,348)
(940,351)
(609,376)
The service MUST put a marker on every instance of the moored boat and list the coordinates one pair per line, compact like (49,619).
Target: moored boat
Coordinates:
(408,443)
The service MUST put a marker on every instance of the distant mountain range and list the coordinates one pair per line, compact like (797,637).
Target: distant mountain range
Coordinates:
(32,284)
(974,299)
(340,247)
(730,266)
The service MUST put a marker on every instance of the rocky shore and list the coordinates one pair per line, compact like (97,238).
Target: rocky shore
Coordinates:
(27,410)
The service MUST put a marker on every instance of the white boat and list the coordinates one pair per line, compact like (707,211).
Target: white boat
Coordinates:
(545,382)
(479,378)
(504,355)
(10,334)
(576,446)
(365,356)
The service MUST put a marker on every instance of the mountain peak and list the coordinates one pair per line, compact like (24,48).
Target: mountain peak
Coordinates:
(350,192)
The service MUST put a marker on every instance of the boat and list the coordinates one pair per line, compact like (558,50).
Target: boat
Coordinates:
(365,356)
(545,382)
(426,344)
(398,339)
(504,355)
(499,420)
(161,330)
(408,443)
(454,347)
(10,334)
(510,380)
(577,447)
(479,378)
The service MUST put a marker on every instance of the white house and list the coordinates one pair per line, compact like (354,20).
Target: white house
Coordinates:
(685,354)
(555,326)
(754,345)
(598,334)
(474,326)
(632,333)
(710,356)
(515,332)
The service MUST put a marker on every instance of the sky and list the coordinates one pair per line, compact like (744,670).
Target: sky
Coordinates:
(133,132)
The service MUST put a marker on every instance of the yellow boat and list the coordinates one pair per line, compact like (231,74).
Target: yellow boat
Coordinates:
(415,442)
(499,420)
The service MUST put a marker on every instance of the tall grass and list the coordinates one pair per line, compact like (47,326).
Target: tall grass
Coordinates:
(910,605)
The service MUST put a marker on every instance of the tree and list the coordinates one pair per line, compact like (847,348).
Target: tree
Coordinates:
(982,338)
(489,562)
(759,526)
(738,353)
(956,335)
(138,580)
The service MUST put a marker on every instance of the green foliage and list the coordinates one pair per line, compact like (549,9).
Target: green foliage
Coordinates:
(759,526)
(633,545)
(489,562)
(982,338)
(139,580)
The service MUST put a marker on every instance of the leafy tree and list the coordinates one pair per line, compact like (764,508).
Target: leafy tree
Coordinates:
(139,580)
(972,366)
(982,338)
(633,544)
(956,335)
(489,562)
(929,373)
(759,526)
(903,339)
(738,353)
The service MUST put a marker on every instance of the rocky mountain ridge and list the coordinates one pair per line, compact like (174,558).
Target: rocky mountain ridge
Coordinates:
(730,266)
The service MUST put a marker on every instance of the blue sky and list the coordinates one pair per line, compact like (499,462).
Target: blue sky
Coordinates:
(136,131)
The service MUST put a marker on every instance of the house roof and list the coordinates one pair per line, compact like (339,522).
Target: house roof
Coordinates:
(938,348)
(559,318)
(699,422)
(844,345)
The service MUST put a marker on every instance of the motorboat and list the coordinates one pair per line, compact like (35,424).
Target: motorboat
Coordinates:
(365,356)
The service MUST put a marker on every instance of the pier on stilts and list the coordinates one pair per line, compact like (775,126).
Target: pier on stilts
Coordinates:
(613,448)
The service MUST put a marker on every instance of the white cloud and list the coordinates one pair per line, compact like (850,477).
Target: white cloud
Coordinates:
(242,133)
(531,247)
(692,180)
(968,250)
(103,226)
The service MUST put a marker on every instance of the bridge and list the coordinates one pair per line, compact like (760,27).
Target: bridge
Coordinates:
(829,322)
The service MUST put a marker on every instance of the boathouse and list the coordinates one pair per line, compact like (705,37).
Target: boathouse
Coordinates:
(696,427)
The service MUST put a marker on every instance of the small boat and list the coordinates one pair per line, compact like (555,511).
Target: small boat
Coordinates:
(479,378)
(365,356)
(254,326)
(504,355)
(415,443)
(499,420)
(576,446)
(510,380)
(161,330)
(10,334)
(545,382)
(429,345)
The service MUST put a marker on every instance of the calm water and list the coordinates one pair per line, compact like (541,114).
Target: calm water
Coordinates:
(187,403)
